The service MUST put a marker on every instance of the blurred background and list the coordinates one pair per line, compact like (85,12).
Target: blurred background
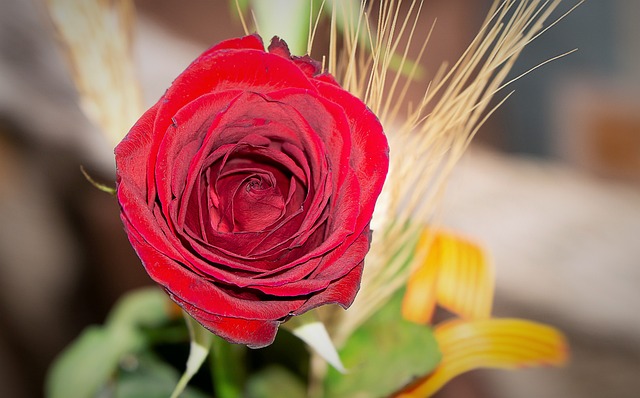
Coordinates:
(551,188)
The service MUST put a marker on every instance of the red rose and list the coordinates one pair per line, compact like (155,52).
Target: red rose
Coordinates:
(247,190)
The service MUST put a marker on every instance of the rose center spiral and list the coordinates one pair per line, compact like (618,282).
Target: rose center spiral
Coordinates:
(247,193)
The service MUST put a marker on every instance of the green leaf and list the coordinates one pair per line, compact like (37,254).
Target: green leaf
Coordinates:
(88,363)
(275,382)
(286,19)
(146,307)
(385,354)
(92,359)
(148,377)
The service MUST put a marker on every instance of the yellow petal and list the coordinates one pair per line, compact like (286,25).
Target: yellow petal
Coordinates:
(420,296)
(467,279)
(455,274)
(490,343)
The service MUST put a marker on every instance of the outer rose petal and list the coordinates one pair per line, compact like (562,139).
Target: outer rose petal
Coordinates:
(327,78)
(342,292)
(134,150)
(308,65)
(251,42)
(253,333)
(202,293)
(370,155)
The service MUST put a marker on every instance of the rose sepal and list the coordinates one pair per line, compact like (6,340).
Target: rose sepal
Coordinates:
(312,331)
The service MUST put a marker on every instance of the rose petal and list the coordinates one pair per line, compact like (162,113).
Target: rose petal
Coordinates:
(133,151)
(370,150)
(253,333)
(203,293)
(250,42)
(330,267)
(182,141)
(221,69)
(342,292)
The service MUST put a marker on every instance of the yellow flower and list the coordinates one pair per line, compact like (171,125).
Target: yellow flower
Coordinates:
(457,275)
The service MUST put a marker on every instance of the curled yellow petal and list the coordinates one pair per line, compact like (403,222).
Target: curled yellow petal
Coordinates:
(420,296)
(455,274)
(490,343)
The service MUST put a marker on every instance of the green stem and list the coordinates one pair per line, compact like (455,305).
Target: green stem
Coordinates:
(227,368)
(318,372)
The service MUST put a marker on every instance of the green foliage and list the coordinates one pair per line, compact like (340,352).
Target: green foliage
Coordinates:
(228,362)
(275,382)
(93,358)
(149,377)
(118,360)
(286,19)
(385,354)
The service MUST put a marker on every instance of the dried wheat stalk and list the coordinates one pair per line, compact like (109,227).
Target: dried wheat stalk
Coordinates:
(97,37)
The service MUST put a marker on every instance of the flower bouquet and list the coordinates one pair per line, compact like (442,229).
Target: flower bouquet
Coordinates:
(285,206)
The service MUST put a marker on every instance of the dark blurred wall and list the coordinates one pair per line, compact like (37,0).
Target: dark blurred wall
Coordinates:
(528,114)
